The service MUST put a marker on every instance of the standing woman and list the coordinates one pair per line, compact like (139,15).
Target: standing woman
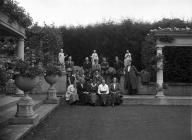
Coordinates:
(103,91)
(71,94)
(96,66)
(104,68)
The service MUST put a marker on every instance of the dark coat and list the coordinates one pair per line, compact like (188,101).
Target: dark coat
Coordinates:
(87,66)
(81,88)
(69,64)
(131,77)
(116,89)
(118,65)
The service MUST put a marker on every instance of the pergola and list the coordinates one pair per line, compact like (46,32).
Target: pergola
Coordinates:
(15,30)
(165,38)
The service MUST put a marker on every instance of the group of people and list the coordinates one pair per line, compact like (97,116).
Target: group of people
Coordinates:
(90,86)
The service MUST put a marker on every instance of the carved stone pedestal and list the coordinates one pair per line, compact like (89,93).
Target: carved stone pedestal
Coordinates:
(160,94)
(25,113)
(52,96)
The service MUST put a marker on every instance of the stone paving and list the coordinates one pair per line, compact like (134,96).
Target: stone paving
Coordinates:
(125,122)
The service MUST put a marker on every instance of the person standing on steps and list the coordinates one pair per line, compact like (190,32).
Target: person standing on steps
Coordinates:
(131,78)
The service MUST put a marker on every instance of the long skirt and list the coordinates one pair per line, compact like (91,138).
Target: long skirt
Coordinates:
(84,98)
(73,98)
(103,99)
(93,98)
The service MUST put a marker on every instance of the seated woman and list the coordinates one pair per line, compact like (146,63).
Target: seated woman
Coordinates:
(103,91)
(82,91)
(71,94)
(116,97)
(92,89)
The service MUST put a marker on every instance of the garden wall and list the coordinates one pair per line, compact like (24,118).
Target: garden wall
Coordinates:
(174,89)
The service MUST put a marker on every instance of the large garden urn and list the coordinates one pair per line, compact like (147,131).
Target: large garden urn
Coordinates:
(25,113)
(52,92)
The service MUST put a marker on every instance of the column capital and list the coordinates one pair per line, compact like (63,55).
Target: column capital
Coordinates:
(159,46)
(21,39)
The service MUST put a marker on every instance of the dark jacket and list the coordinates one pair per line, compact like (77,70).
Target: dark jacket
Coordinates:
(116,88)
(87,66)
(131,77)
(118,65)
(81,88)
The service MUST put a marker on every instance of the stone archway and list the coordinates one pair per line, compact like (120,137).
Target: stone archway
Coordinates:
(166,38)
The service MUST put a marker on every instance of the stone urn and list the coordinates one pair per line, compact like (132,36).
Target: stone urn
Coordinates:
(25,113)
(52,92)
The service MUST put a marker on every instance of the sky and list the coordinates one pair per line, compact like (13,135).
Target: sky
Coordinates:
(84,12)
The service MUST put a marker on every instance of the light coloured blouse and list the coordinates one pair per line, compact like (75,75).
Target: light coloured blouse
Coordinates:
(70,90)
(103,88)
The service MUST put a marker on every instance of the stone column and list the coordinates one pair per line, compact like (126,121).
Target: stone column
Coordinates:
(20,54)
(160,92)
(20,48)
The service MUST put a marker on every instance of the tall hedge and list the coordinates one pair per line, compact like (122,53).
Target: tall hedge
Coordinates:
(111,39)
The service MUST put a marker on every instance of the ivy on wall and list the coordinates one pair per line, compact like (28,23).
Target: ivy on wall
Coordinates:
(15,12)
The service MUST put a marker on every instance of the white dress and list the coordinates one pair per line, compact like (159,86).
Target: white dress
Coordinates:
(94,57)
(62,58)
(71,94)
(127,59)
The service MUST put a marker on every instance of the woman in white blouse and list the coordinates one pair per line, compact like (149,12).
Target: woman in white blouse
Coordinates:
(71,94)
(103,91)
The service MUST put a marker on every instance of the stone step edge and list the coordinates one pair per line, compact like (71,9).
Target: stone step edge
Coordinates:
(42,116)
(38,103)
(8,105)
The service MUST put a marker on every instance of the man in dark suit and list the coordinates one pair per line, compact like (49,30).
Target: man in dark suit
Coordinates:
(116,97)
(131,79)
(81,91)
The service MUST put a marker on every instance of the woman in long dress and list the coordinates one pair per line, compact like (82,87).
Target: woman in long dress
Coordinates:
(103,91)
(93,97)
(71,94)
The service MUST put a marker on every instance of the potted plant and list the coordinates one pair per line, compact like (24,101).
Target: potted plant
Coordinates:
(26,77)
(52,74)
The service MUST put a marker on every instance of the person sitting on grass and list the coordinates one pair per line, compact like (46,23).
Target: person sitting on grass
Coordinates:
(115,93)
(103,91)
(92,89)
(71,94)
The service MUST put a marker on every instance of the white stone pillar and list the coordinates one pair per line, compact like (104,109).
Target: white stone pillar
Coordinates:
(20,54)
(160,92)
(20,48)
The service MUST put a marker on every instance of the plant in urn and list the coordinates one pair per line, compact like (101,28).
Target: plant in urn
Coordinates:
(26,78)
(51,76)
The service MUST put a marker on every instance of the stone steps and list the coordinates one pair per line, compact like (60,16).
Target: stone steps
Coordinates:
(16,132)
(7,102)
(9,113)
(151,100)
